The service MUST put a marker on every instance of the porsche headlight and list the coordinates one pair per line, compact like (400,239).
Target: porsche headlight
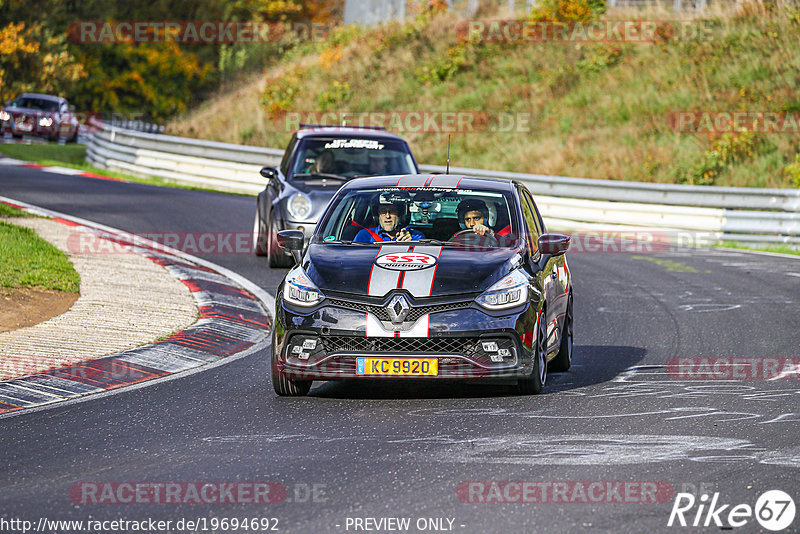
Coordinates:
(299,206)
(5,116)
(45,122)
(298,289)
(509,292)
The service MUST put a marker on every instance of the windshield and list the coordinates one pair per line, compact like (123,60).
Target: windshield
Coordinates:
(351,157)
(447,216)
(35,103)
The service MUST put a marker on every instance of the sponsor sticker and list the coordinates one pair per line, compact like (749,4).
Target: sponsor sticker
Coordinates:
(406,261)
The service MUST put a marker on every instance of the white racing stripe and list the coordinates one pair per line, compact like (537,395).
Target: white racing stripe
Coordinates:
(418,283)
(381,280)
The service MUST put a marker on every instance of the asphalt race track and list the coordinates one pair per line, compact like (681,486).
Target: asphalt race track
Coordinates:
(602,442)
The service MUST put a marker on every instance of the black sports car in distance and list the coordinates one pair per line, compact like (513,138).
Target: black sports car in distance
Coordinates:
(426,277)
(316,162)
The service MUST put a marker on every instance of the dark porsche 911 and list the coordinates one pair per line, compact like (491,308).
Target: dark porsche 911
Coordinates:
(472,288)
(318,159)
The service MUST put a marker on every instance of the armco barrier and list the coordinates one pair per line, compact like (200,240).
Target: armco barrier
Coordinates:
(744,215)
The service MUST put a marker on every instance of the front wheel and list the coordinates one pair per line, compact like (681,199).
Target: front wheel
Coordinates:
(534,383)
(286,387)
(277,258)
(259,235)
(563,359)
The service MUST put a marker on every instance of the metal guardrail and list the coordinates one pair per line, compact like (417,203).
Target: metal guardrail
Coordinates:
(711,214)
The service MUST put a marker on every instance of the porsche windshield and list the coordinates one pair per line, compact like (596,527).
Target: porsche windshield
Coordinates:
(427,214)
(350,157)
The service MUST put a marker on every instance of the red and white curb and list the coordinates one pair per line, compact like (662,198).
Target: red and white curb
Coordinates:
(233,323)
(11,162)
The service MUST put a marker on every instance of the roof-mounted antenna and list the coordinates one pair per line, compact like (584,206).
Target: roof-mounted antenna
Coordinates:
(448,154)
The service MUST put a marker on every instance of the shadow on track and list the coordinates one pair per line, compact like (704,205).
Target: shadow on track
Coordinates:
(592,364)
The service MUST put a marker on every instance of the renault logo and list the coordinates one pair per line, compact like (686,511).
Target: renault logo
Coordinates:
(398,309)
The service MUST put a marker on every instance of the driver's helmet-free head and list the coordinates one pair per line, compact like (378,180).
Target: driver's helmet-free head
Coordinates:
(400,207)
(324,162)
(473,204)
(378,159)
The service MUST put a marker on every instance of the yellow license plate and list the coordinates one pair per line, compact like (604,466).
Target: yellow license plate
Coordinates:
(397,366)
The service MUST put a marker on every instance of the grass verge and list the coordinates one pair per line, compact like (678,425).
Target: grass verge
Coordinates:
(595,109)
(30,261)
(74,157)
(8,211)
(777,249)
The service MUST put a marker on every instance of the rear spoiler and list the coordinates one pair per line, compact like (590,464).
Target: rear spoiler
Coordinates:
(304,126)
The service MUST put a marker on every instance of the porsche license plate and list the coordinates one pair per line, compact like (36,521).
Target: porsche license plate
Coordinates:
(397,366)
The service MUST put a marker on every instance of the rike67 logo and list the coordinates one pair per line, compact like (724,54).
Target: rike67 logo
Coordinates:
(774,510)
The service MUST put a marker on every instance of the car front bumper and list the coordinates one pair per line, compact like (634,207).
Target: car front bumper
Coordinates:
(335,337)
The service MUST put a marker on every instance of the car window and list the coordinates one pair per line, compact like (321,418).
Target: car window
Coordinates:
(531,221)
(287,156)
(35,103)
(432,211)
(352,157)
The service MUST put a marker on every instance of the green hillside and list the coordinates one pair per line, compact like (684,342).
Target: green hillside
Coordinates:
(599,110)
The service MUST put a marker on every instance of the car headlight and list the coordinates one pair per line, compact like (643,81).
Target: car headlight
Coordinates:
(45,122)
(300,290)
(299,206)
(5,116)
(509,292)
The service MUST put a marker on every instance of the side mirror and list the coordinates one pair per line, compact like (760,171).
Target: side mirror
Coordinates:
(553,244)
(293,241)
(269,172)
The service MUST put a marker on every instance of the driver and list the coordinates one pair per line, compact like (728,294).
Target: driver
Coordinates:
(473,215)
(389,227)
(378,164)
(324,163)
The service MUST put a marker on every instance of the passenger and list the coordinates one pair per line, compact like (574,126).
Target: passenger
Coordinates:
(474,215)
(389,227)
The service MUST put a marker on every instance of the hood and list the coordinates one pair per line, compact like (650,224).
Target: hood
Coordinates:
(26,111)
(318,193)
(454,270)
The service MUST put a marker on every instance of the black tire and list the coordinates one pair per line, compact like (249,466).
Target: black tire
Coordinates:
(277,258)
(259,235)
(286,387)
(563,359)
(74,138)
(534,383)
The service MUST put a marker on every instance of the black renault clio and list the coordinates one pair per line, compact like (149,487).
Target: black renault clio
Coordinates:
(426,277)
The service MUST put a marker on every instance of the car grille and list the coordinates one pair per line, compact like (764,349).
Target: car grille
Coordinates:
(413,314)
(448,345)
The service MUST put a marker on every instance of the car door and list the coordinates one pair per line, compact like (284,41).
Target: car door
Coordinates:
(551,280)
